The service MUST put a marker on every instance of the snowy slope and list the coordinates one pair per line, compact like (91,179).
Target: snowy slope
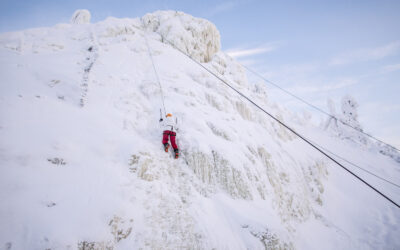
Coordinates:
(82,165)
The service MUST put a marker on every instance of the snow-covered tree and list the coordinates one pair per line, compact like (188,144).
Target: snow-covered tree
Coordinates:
(349,112)
(345,123)
(331,123)
(80,17)
(347,118)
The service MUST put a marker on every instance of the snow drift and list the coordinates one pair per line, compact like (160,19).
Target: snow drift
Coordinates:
(82,164)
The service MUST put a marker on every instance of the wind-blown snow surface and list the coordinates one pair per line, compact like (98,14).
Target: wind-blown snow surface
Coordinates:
(82,163)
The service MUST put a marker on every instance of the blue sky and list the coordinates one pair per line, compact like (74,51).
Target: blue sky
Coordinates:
(316,49)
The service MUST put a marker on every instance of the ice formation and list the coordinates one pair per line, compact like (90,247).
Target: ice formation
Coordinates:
(82,164)
(198,37)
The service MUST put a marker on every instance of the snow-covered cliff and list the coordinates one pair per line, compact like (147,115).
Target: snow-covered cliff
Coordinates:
(82,164)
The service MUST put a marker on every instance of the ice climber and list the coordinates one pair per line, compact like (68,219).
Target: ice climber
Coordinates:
(170,129)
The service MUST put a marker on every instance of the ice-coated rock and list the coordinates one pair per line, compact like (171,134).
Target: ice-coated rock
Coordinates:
(197,37)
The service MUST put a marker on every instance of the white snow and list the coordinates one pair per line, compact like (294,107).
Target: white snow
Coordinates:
(80,17)
(82,164)
(346,126)
(198,37)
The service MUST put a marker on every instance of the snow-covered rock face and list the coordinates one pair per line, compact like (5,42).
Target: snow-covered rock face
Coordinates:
(82,164)
(80,17)
(198,37)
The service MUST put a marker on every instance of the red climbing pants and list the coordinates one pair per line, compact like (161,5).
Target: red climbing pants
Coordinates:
(171,135)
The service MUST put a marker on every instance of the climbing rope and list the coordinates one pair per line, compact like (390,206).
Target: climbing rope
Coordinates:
(155,72)
(284,125)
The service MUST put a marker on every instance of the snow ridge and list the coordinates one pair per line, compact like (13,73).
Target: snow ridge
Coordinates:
(82,165)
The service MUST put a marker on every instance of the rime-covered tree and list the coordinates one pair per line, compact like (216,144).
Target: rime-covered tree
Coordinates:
(80,17)
(345,123)
(349,112)
(331,123)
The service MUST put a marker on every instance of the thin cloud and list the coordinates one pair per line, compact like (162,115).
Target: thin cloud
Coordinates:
(290,73)
(363,55)
(343,83)
(236,53)
(390,68)
(247,62)
(301,69)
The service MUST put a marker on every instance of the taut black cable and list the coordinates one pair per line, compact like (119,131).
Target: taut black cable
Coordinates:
(287,127)
(355,165)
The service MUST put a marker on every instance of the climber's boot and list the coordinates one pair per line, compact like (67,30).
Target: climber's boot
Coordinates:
(176,153)
(166,146)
